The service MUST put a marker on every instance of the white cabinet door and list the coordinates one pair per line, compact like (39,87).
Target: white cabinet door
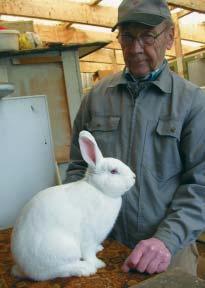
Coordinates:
(27,163)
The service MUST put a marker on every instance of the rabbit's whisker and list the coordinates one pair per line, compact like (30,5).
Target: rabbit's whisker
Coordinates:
(90,173)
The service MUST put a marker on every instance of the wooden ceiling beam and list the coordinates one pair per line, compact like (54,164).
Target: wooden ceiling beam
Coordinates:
(183,13)
(172,7)
(194,5)
(196,50)
(50,33)
(91,67)
(102,55)
(62,34)
(61,10)
(193,32)
(67,11)
(72,35)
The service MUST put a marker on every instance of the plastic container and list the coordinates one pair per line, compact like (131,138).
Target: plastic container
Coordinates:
(9,40)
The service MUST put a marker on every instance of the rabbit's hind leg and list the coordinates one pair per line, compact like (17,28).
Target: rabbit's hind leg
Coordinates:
(55,257)
(62,259)
(77,268)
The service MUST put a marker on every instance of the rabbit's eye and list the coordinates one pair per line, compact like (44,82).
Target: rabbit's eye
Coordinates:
(114,171)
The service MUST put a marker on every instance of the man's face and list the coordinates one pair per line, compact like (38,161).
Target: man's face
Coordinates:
(140,57)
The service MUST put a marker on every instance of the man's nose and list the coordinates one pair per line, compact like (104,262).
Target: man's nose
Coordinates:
(136,46)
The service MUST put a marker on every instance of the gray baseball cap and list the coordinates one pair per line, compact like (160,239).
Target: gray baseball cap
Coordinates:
(147,12)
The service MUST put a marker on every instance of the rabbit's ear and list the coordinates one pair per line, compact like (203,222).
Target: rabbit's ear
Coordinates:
(89,148)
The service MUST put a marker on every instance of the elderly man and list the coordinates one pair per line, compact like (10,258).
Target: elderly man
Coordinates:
(153,120)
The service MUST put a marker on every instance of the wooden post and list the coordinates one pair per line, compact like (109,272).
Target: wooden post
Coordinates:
(73,82)
(178,47)
(114,61)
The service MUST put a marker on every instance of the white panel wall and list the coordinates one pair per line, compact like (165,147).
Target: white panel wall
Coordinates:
(27,162)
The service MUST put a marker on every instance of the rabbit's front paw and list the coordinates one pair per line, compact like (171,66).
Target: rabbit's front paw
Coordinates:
(99,248)
(88,269)
(99,263)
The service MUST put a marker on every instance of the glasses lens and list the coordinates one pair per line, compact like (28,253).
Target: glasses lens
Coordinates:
(147,39)
(125,39)
(144,39)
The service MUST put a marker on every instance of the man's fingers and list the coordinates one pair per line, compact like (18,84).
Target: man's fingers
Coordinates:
(125,267)
(152,267)
(146,260)
(162,267)
(150,255)
(132,260)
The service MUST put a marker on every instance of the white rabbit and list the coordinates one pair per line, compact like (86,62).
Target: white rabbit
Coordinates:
(60,229)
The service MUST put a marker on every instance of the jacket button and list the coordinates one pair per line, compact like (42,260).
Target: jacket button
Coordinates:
(172,129)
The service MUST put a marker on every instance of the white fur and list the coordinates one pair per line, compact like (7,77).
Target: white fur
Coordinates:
(59,232)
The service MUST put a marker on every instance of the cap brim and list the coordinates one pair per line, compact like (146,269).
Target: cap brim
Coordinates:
(141,18)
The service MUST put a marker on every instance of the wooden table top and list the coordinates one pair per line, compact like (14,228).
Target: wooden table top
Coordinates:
(111,276)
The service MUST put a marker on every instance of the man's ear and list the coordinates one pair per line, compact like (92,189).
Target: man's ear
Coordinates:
(170,38)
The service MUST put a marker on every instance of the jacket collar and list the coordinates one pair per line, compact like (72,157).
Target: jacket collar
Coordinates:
(118,79)
(163,81)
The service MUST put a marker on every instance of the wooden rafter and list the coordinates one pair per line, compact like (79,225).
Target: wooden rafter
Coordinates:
(172,7)
(93,66)
(61,34)
(178,47)
(100,56)
(194,5)
(72,35)
(61,10)
(68,11)
(197,50)
(194,41)
(183,13)
(193,32)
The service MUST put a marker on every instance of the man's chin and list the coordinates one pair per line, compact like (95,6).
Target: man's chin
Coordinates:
(140,73)
(140,69)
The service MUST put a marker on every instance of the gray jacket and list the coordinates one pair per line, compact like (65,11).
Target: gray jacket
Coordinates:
(158,129)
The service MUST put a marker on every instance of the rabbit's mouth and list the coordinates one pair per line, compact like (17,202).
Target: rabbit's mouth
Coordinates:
(130,186)
(131,183)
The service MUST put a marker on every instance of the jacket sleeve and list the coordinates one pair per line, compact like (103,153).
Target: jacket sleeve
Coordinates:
(185,218)
(77,166)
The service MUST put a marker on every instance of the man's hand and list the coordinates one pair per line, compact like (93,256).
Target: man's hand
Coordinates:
(149,256)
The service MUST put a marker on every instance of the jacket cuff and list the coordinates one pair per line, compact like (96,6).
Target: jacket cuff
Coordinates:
(167,238)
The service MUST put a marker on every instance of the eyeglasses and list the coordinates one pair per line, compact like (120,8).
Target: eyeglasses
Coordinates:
(143,39)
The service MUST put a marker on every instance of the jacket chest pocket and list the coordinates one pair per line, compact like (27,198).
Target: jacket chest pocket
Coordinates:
(104,129)
(161,151)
